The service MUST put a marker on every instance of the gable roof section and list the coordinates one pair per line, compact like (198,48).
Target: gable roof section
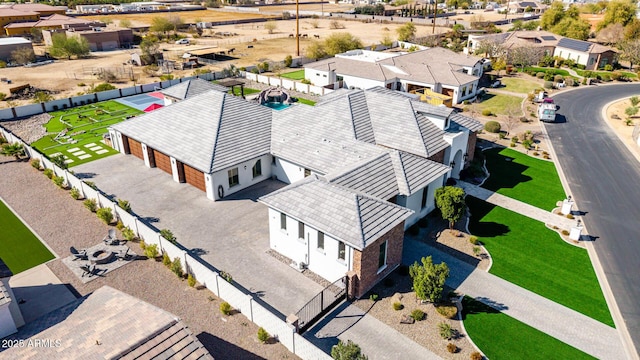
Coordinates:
(350,107)
(375,177)
(348,216)
(211,132)
(192,88)
(124,325)
(415,172)
(467,122)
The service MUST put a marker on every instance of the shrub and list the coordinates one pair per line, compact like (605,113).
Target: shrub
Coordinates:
(151,251)
(608,67)
(546,157)
(570,216)
(502,135)
(35,163)
(569,81)
(48,173)
(191,281)
(143,245)
(473,239)
(514,139)
(417,315)
(452,348)
(476,250)
(168,234)
(176,267)
(540,75)
(75,193)
(58,180)
(446,332)
(492,126)
(373,297)
(225,275)
(91,184)
(475,356)
(548,84)
(634,100)
(124,204)
(535,153)
(558,78)
(348,350)
(565,232)
(119,225)
(166,260)
(512,144)
(628,122)
(527,144)
(128,234)
(616,75)
(288,61)
(448,311)
(263,335)
(225,308)
(91,205)
(487,112)
(105,215)
(397,306)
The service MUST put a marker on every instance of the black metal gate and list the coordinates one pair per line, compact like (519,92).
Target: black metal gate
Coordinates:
(321,304)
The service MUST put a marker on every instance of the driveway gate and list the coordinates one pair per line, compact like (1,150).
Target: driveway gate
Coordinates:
(321,304)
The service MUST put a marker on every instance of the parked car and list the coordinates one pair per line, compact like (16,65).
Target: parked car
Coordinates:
(182,42)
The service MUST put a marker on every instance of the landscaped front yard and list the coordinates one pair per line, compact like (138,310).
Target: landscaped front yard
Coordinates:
(499,103)
(500,336)
(20,249)
(519,85)
(529,255)
(522,177)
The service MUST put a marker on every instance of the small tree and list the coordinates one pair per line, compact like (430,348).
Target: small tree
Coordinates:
(499,65)
(23,55)
(288,61)
(16,150)
(151,251)
(176,267)
(270,26)
(263,335)
(428,279)
(59,160)
(406,32)
(450,201)
(347,351)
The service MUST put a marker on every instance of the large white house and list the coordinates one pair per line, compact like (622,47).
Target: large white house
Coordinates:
(362,166)
(441,70)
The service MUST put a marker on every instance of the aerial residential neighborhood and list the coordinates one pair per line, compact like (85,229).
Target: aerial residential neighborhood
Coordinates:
(319,180)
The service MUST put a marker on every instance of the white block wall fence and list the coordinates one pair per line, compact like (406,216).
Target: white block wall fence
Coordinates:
(205,273)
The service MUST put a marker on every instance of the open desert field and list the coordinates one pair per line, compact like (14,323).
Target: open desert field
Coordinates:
(186,16)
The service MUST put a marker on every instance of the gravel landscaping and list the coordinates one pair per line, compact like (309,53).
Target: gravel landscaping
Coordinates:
(63,222)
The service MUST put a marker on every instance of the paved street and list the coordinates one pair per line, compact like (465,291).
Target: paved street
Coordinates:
(602,176)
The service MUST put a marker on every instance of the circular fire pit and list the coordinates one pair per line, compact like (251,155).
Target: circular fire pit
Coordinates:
(101,257)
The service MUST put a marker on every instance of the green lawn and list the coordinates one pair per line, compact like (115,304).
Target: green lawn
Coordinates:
(247,91)
(306,102)
(500,336)
(605,73)
(85,126)
(526,253)
(294,75)
(20,250)
(519,85)
(523,178)
(554,71)
(498,103)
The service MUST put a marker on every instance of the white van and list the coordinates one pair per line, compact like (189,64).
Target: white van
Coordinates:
(182,42)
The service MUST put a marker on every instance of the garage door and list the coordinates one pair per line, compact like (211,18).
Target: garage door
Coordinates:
(136,148)
(163,161)
(194,177)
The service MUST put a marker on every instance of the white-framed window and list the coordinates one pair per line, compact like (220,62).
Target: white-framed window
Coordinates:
(257,169)
(300,230)
(320,240)
(382,256)
(283,221)
(233,177)
(342,251)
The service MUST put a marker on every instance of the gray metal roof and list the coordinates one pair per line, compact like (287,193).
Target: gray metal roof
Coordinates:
(415,172)
(467,122)
(4,295)
(109,324)
(191,88)
(351,217)
(210,132)
(375,177)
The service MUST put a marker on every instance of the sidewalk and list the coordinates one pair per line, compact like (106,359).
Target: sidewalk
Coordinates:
(564,324)
(508,203)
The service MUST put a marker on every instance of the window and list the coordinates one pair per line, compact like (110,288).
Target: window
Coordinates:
(320,240)
(273,160)
(257,169)
(591,61)
(233,177)
(300,230)
(425,192)
(307,172)
(342,250)
(283,221)
(382,256)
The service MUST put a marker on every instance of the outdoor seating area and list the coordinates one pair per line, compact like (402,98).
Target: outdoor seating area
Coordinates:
(99,260)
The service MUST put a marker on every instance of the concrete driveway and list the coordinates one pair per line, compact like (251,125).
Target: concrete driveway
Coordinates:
(232,235)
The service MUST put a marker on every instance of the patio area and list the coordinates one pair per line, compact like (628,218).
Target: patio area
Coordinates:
(98,261)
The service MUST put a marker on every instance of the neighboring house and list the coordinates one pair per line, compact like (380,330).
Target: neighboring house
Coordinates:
(55,21)
(515,39)
(15,13)
(593,56)
(10,315)
(441,70)
(519,7)
(98,38)
(107,324)
(188,89)
(8,45)
(359,162)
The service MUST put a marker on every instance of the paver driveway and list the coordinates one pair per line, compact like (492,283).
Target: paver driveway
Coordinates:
(232,235)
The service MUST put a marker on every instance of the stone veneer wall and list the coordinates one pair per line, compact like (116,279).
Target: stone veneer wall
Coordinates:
(471,146)
(439,157)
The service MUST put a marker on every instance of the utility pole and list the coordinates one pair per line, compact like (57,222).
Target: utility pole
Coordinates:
(297,27)
(435,15)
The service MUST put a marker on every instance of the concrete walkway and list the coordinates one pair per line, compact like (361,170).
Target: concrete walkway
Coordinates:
(520,207)
(564,324)
(377,340)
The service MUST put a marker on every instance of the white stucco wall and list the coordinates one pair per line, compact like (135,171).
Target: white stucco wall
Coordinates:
(323,262)
(577,56)
(319,77)
(361,83)
(289,172)
(458,142)
(7,325)
(414,202)
(245,176)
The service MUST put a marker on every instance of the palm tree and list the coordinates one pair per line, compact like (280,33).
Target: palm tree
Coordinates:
(14,149)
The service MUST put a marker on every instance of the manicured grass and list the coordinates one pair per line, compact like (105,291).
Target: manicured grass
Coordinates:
(306,102)
(294,75)
(500,336)
(523,178)
(498,103)
(531,256)
(519,85)
(605,73)
(554,71)
(20,250)
(85,125)
(247,91)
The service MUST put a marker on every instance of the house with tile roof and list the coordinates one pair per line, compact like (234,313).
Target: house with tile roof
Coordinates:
(438,69)
(107,324)
(31,12)
(593,56)
(362,166)
(54,21)
(188,89)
